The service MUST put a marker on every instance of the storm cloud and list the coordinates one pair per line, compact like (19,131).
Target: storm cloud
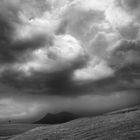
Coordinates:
(69,49)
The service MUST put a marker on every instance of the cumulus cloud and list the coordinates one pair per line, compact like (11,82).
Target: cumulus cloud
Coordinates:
(66,51)
(69,48)
(96,69)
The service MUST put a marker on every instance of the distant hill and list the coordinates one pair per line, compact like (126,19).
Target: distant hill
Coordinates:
(61,117)
(119,125)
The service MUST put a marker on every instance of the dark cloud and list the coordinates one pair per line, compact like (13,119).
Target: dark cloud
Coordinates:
(130,32)
(11,50)
(5,40)
(132,4)
(43,50)
(58,83)
(125,61)
(61,83)
(126,53)
(8,15)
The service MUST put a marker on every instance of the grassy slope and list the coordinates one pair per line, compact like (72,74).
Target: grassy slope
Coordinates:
(121,125)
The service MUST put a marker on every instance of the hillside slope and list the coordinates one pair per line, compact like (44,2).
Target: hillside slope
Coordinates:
(121,125)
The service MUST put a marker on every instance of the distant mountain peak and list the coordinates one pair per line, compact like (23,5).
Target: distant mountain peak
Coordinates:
(57,118)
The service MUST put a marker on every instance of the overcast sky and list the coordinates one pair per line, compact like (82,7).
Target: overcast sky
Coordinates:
(68,55)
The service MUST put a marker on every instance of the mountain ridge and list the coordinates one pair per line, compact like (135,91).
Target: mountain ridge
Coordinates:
(57,118)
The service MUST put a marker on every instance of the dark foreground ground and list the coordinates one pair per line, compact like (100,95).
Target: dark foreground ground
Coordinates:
(119,125)
(11,130)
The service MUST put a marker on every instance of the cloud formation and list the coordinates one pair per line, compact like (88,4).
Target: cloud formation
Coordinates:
(80,42)
(69,48)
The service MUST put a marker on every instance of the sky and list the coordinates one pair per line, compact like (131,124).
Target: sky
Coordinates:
(79,56)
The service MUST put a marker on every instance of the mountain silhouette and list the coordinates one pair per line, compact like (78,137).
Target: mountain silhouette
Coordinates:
(57,118)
